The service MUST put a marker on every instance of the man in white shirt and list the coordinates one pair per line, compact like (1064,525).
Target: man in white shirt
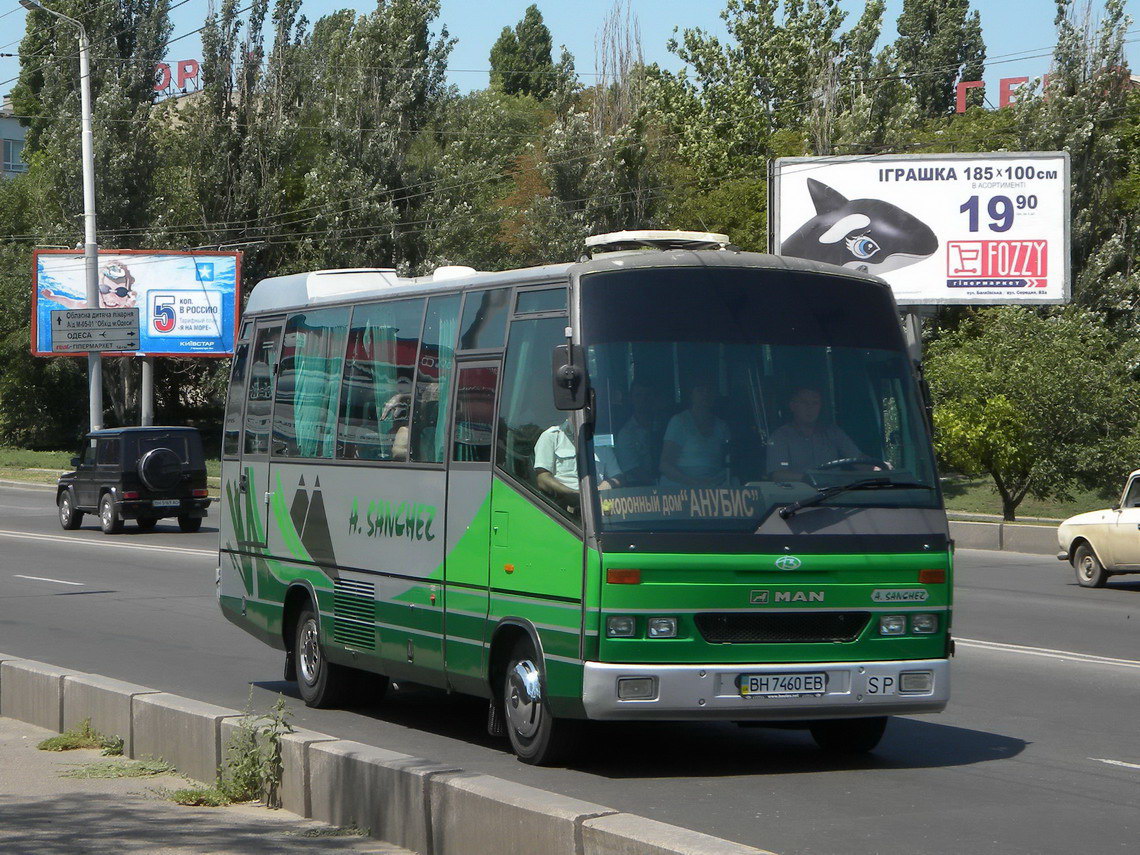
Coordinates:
(556,464)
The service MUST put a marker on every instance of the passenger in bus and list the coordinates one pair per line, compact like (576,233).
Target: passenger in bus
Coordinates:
(556,465)
(638,443)
(696,444)
(804,443)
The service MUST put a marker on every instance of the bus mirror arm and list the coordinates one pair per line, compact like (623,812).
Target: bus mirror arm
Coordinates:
(571,391)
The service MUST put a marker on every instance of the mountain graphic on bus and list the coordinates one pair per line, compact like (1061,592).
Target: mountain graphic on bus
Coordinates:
(870,235)
(311,522)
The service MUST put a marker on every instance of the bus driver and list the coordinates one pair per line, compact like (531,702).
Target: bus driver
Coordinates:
(803,443)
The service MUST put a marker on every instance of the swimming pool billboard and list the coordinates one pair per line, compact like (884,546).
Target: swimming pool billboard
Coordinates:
(941,229)
(187,301)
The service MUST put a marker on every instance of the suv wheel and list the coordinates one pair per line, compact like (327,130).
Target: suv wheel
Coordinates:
(69,516)
(190,524)
(109,520)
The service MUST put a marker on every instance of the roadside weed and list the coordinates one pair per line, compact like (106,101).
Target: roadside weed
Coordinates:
(120,769)
(83,736)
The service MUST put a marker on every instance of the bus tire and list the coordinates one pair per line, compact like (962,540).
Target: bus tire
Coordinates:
(849,735)
(1090,572)
(536,736)
(322,684)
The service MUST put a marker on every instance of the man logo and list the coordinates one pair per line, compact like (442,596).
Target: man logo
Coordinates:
(788,562)
(758,598)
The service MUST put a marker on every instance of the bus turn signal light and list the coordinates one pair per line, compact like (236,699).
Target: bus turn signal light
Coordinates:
(617,576)
(932,576)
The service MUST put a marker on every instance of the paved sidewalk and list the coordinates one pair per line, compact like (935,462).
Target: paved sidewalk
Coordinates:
(42,813)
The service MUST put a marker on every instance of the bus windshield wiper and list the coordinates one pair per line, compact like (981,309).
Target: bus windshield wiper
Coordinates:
(864,484)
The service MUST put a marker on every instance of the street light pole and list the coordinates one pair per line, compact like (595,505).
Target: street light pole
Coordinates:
(90,247)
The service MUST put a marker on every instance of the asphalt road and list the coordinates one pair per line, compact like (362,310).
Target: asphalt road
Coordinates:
(1039,751)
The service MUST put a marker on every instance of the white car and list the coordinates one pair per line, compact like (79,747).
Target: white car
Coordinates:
(1100,544)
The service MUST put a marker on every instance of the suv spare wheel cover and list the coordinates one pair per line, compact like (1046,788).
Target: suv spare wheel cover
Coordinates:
(160,469)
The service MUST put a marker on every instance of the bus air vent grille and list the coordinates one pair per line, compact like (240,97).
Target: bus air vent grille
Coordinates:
(785,627)
(354,607)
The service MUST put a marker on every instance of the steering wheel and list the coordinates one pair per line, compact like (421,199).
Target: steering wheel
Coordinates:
(850,464)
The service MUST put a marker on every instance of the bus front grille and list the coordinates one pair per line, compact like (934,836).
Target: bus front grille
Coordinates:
(759,628)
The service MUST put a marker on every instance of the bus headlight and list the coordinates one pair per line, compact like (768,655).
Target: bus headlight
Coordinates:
(924,624)
(662,627)
(892,625)
(619,626)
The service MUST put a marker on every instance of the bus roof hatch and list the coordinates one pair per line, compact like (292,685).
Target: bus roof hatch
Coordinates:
(628,241)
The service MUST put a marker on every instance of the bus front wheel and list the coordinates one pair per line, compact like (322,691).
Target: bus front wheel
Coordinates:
(536,736)
(849,735)
(322,684)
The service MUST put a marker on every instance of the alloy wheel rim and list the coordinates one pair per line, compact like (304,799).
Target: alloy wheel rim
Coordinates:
(524,699)
(65,508)
(310,658)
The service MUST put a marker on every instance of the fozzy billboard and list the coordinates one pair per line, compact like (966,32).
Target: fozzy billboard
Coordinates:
(187,301)
(940,228)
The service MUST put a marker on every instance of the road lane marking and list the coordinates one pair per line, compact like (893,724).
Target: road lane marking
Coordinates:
(83,541)
(1116,763)
(1048,653)
(45,579)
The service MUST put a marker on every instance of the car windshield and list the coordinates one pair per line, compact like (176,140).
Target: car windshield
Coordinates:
(723,394)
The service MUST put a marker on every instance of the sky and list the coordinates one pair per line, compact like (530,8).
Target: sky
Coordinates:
(1018,33)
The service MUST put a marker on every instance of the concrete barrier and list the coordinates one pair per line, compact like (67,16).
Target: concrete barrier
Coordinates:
(627,834)
(429,808)
(183,732)
(1008,537)
(478,813)
(106,702)
(355,784)
(32,692)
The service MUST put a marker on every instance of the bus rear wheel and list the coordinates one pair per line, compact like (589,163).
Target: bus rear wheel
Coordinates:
(322,684)
(536,736)
(849,735)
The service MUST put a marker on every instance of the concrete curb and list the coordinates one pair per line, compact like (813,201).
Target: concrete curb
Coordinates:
(1007,537)
(430,808)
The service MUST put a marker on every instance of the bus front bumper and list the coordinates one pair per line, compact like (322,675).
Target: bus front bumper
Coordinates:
(784,692)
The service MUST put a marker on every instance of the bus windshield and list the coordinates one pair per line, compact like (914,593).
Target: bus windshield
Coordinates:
(723,394)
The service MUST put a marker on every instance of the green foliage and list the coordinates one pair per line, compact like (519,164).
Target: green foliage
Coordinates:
(521,62)
(201,796)
(939,43)
(253,767)
(120,769)
(83,736)
(1039,403)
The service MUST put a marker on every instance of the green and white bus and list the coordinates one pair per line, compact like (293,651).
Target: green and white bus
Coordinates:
(673,481)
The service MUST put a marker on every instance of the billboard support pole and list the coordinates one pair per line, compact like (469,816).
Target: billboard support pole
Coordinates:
(147,415)
(912,331)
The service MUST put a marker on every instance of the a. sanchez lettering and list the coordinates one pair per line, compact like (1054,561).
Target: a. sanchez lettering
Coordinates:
(900,595)
(410,520)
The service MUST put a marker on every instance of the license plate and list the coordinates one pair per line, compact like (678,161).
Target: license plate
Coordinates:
(166,503)
(782,685)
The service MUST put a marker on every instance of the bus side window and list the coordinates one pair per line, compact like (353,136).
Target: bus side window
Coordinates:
(376,389)
(304,418)
(484,319)
(232,430)
(259,396)
(434,377)
(527,409)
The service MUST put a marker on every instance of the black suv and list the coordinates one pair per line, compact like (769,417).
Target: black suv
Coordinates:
(139,473)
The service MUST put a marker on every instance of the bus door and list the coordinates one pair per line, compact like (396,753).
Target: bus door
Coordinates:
(467,565)
(253,481)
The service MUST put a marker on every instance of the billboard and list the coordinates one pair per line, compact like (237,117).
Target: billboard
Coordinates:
(940,228)
(187,301)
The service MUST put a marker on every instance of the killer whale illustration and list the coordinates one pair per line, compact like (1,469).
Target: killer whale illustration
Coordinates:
(864,234)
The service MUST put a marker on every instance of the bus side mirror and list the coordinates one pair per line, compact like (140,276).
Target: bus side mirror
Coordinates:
(569,377)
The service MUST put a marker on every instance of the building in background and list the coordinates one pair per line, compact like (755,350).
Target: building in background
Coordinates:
(12,137)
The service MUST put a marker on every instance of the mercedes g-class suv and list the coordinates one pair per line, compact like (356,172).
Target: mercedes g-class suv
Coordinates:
(136,473)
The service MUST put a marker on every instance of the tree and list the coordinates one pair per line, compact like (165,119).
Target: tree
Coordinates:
(521,62)
(1038,403)
(939,43)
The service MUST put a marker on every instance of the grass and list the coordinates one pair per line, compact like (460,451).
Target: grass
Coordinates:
(200,796)
(121,769)
(83,736)
(44,467)
(979,496)
(333,831)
